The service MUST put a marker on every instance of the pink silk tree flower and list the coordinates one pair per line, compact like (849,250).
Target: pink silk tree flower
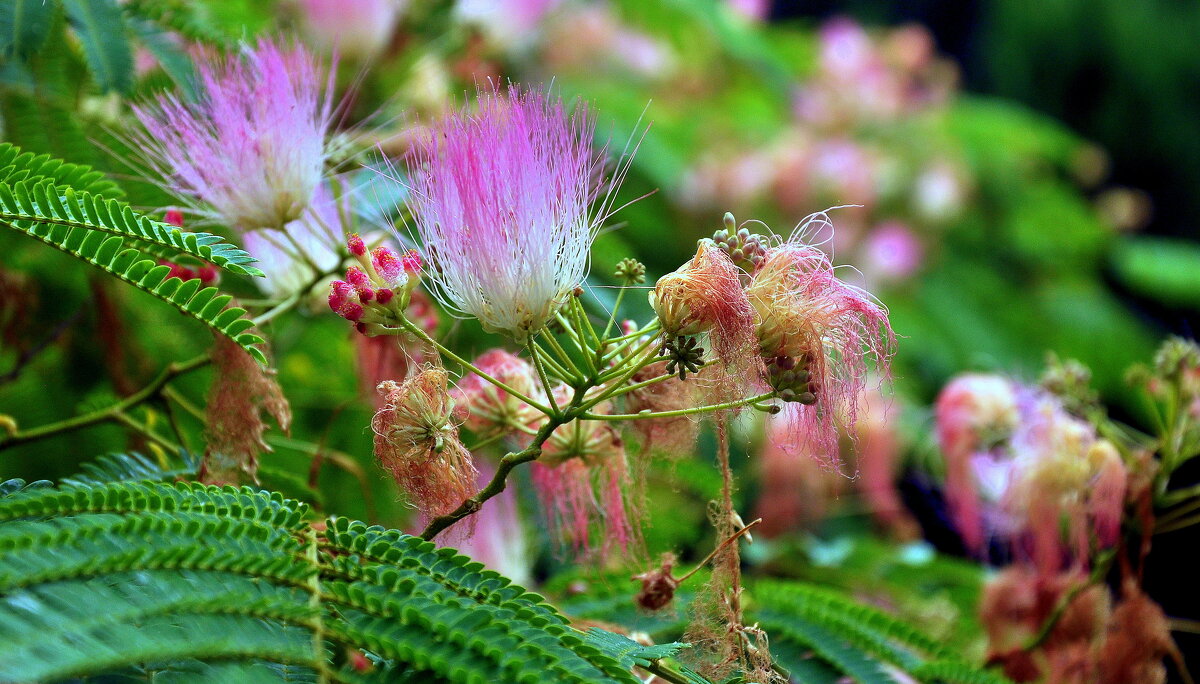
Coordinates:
(353,29)
(973,412)
(250,150)
(503,203)
(819,337)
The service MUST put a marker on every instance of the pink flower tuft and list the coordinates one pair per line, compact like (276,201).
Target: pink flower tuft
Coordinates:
(820,336)
(250,150)
(174,217)
(972,413)
(418,444)
(569,496)
(502,199)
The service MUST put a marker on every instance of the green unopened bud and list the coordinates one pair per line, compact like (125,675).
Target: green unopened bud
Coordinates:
(630,272)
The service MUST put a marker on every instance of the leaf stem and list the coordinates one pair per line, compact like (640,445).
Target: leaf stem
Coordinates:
(110,413)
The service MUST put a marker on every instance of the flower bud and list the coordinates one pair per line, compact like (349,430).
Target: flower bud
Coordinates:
(356,245)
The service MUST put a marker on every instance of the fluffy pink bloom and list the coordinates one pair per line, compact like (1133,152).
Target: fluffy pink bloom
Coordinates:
(502,199)
(820,336)
(579,499)
(250,150)
(355,29)
(973,412)
(892,251)
(1019,467)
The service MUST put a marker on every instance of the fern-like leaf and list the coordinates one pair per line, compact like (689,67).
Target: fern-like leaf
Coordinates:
(127,578)
(41,200)
(24,26)
(101,30)
(17,165)
(95,231)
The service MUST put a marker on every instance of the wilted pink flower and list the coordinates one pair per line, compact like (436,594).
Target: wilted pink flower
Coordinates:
(705,295)
(242,394)
(819,336)
(892,251)
(502,199)
(355,29)
(416,441)
(250,149)
(582,477)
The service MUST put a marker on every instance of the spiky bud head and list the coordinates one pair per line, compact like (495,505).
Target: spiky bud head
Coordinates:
(630,272)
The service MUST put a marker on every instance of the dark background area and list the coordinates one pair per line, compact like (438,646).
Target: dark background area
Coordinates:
(1127,77)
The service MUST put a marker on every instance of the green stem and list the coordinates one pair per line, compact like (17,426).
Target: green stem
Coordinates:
(568,363)
(541,371)
(651,415)
(424,336)
(145,431)
(585,323)
(313,558)
(612,317)
(110,413)
(497,483)
(1178,496)
(555,368)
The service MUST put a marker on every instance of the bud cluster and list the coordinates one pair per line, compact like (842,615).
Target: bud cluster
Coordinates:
(792,379)
(745,249)
(377,290)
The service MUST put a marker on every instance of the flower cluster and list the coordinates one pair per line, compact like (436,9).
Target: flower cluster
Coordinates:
(1022,468)
(811,335)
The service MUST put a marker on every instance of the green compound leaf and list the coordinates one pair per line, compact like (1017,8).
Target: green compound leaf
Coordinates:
(119,578)
(102,33)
